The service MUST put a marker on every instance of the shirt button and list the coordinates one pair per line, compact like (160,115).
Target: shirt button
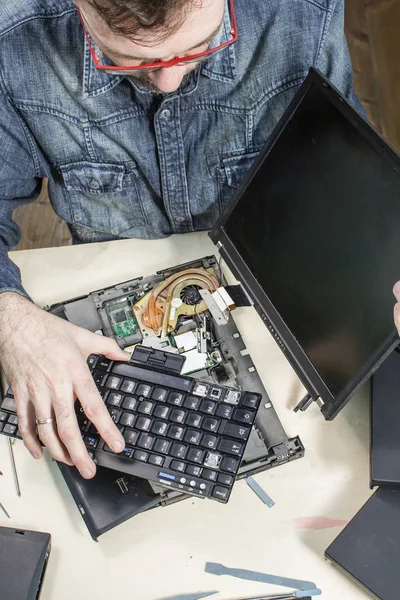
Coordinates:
(94,185)
(180,219)
(165,114)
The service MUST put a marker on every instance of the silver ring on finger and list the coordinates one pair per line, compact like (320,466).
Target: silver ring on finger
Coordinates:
(44,421)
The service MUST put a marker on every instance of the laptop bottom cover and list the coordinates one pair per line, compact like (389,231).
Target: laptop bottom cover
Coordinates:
(368,549)
(23,561)
(385,423)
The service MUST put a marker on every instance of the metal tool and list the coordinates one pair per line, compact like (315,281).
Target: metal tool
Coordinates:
(290,596)
(197,596)
(219,569)
(14,468)
(258,490)
(4,511)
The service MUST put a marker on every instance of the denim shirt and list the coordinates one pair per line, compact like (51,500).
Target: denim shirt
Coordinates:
(125,162)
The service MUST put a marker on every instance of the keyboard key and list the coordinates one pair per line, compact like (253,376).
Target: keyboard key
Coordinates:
(13,420)
(162,446)
(115,414)
(244,416)
(251,401)
(130,436)
(143,423)
(103,392)
(237,431)
(176,432)
(178,451)
(11,429)
(113,382)
(159,428)
(146,441)
(192,402)
(200,389)
(99,377)
(231,447)
(208,407)
(230,465)
(92,361)
(220,492)
(225,411)
(177,465)
(225,479)
(128,386)
(232,397)
(193,470)
(3,416)
(103,363)
(211,424)
(1,425)
(145,407)
(175,398)
(91,441)
(212,460)
(178,416)
(9,404)
(209,441)
(114,399)
(193,436)
(129,403)
(194,420)
(161,412)
(141,455)
(210,475)
(159,394)
(195,455)
(127,419)
(144,390)
(215,393)
(83,423)
(205,487)
(156,460)
(127,452)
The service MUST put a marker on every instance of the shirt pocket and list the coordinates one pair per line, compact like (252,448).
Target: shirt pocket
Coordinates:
(104,196)
(229,171)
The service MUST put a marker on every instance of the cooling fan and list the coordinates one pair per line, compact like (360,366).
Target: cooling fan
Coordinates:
(159,310)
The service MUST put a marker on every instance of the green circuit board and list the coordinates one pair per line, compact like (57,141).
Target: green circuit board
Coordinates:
(122,319)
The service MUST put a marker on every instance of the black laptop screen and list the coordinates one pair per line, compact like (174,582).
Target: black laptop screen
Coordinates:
(319,228)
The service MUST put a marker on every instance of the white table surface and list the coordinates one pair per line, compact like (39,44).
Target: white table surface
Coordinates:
(163,552)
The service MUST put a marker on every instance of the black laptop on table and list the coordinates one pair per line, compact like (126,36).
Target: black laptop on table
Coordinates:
(24,556)
(312,238)
(368,549)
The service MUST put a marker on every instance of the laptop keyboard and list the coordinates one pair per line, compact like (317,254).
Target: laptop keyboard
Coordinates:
(180,432)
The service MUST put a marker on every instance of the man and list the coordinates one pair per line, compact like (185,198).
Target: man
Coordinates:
(144,115)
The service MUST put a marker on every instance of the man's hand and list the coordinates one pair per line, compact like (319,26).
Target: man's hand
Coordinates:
(44,360)
(396,292)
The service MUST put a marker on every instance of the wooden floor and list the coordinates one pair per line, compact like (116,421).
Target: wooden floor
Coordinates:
(373,33)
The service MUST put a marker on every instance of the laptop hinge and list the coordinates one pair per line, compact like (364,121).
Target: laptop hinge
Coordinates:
(304,404)
(157,359)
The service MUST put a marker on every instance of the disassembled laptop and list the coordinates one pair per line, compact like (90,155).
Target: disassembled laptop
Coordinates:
(185,310)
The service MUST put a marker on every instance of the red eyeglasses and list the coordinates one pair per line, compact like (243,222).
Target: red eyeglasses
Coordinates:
(201,56)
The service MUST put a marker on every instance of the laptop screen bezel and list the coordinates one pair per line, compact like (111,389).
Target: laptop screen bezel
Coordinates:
(330,404)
